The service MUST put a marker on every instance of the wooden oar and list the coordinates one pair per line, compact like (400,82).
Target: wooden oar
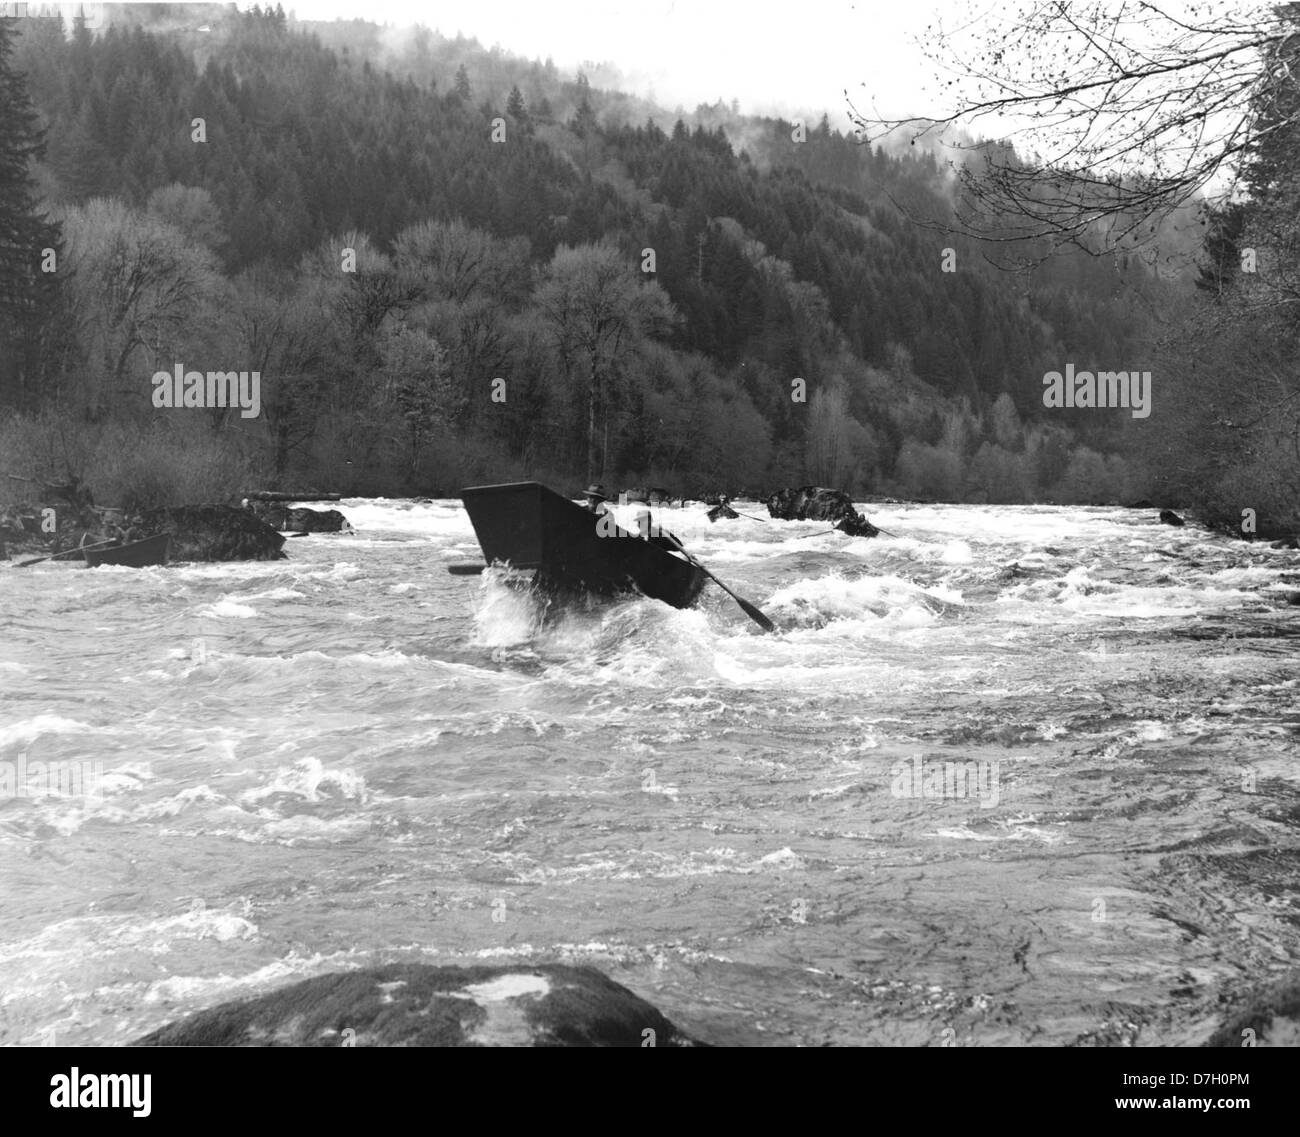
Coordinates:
(750,610)
(65,553)
(823,532)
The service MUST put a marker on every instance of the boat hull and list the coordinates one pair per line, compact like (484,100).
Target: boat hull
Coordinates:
(528,526)
(138,554)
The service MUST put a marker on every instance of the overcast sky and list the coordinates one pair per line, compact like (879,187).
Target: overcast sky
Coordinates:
(771,57)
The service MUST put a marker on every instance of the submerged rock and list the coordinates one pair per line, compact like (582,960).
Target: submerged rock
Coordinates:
(816,503)
(213,533)
(422,1005)
(1169,517)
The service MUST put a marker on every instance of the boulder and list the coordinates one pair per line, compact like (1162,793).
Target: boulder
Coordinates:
(1270,1017)
(815,503)
(213,533)
(418,1004)
(318,521)
(301,520)
(1169,517)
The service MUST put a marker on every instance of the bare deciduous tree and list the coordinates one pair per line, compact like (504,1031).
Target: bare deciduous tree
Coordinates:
(1129,109)
(598,310)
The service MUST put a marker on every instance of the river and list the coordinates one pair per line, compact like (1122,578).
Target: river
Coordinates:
(1015,775)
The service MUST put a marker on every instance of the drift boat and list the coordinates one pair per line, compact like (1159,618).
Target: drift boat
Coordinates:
(527,526)
(138,554)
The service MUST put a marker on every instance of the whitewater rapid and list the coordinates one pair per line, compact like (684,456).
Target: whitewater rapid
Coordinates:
(353,757)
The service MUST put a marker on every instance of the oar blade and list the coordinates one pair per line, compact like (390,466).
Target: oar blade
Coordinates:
(749,609)
(470,569)
(755,615)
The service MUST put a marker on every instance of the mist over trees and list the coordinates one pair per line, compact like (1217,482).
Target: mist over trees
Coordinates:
(602,292)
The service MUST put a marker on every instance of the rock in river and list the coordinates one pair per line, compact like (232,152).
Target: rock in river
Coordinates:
(816,503)
(299,519)
(421,1005)
(213,533)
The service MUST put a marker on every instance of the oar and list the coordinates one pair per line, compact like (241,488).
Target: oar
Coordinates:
(750,610)
(66,552)
(823,532)
(466,569)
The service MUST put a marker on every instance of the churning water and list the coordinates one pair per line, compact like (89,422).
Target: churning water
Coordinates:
(1021,774)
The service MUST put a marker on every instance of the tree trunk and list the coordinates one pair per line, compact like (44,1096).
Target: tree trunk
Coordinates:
(591,431)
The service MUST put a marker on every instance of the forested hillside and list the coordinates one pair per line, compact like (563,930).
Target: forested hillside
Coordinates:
(449,265)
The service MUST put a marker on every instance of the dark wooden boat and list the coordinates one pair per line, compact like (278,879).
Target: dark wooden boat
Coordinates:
(138,554)
(527,526)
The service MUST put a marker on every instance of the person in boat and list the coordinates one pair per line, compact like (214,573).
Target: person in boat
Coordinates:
(597,498)
(598,503)
(125,531)
(722,509)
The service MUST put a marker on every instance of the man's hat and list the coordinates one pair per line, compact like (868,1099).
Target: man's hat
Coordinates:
(596,490)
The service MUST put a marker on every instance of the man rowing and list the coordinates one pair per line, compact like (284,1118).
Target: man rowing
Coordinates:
(598,503)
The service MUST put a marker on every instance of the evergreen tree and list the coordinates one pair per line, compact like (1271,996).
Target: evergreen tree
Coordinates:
(1221,249)
(584,121)
(515,105)
(27,295)
(462,83)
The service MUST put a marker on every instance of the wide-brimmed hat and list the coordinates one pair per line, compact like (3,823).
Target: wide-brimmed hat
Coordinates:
(596,490)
